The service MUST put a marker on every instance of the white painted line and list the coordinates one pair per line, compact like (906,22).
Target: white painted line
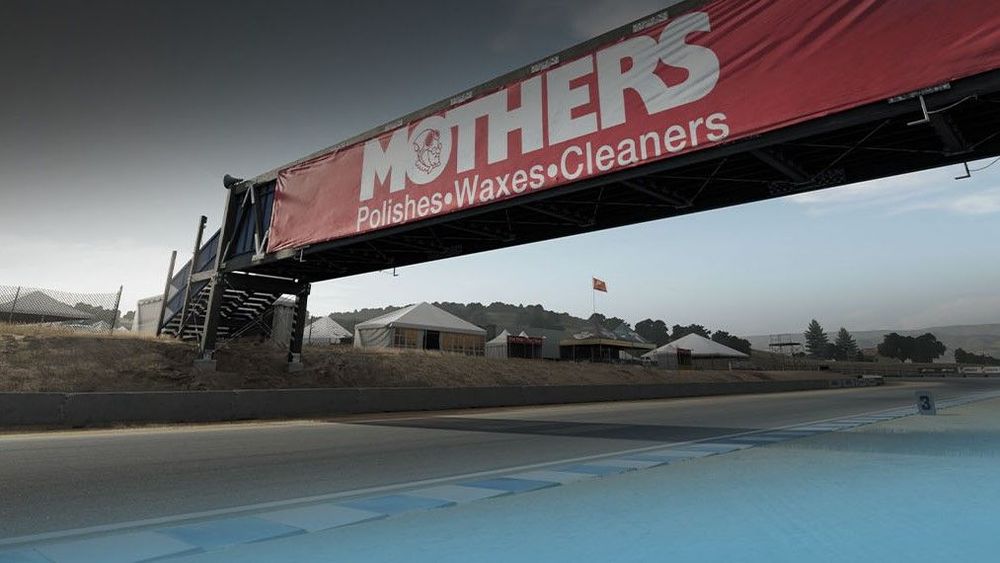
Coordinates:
(561,477)
(628,463)
(722,447)
(681,453)
(769,439)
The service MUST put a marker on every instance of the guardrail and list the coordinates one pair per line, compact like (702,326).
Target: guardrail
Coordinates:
(912,370)
(76,410)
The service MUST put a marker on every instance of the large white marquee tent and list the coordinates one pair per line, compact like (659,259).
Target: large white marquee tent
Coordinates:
(702,352)
(421,327)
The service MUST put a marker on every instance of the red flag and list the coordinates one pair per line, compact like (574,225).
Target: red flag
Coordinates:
(599,285)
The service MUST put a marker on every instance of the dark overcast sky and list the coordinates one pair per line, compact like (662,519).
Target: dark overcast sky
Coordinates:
(143,103)
(118,120)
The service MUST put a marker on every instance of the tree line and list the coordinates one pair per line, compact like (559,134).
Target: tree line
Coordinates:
(657,332)
(818,345)
(535,316)
(918,349)
(963,357)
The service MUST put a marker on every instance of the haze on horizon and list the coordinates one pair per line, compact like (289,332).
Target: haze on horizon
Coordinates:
(119,119)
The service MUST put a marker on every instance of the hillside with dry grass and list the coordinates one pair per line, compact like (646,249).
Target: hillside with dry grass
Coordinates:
(34,359)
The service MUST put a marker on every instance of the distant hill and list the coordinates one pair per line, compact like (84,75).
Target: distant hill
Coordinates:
(971,338)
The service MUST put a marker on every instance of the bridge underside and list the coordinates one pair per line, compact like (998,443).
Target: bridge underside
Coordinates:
(871,142)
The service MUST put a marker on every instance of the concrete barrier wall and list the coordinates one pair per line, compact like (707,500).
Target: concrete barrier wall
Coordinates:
(76,410)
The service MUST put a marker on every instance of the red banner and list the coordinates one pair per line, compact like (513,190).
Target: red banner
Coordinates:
(726,70)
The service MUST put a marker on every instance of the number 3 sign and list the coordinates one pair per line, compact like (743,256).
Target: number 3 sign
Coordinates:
(925,403)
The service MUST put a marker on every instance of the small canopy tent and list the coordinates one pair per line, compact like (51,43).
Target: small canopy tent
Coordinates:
(696,350)
(497,348)
(421,327)
(507,345)
(325,330)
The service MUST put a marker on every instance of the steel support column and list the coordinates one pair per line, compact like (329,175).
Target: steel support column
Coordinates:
(298,328)
(195,258)
(166,292)
(209,334)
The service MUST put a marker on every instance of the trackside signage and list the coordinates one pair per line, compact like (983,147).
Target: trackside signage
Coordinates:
(727,70)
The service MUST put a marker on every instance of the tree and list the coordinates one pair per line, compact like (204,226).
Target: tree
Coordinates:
(963,357)
(923,349)
(653,331)
(894,346)
(927,348)
(817,343)
(734,342)
(682,331)
(597,319)
(612,323)
(845,347)
(609,323)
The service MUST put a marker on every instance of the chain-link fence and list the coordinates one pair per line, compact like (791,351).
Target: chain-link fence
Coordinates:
(78,312)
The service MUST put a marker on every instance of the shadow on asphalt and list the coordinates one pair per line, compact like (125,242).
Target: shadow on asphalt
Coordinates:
(640,432)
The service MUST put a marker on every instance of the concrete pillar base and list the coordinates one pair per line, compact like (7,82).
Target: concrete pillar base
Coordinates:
(294,362)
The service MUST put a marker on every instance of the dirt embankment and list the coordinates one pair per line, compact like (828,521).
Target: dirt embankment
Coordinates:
(32,360)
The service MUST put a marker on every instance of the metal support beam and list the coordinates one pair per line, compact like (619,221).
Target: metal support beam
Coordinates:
(831,177)
(202,276)
(13,305)
(206,351)
(195,257)
(263,284)
(949,134)
(672,199)
(213,311)
(166,292)
(259,234)
(560,214)
(781,163)
(114,314)
(485,233)
(298,329)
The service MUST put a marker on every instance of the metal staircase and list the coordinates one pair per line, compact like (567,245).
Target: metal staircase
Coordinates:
(243,312)
(215,295)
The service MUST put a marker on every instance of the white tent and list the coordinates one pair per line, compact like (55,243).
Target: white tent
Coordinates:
(38,307)
(701,348)
(421,326)
(325,330)
(497,348)
(507,345)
